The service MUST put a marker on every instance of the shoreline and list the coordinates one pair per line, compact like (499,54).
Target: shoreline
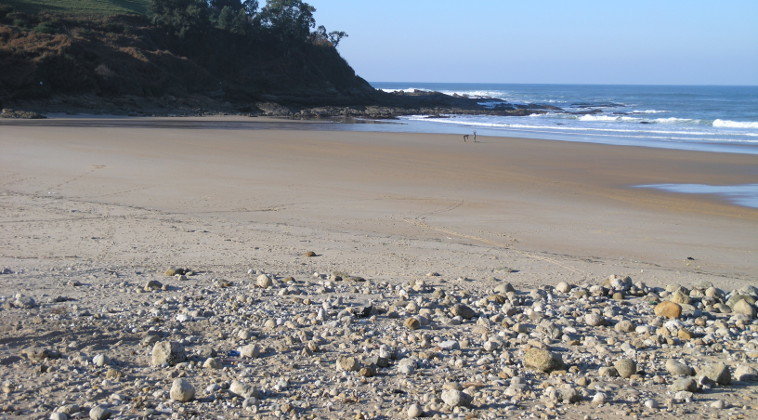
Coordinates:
(362,124)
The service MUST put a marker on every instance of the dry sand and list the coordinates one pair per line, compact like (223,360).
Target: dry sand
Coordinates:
(394,205)
(93,210)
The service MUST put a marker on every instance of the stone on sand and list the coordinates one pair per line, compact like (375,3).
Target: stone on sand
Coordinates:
(542,360)
(625,367)
(455,398)
(717,372)
(182,391)
(167,353)
(668,309)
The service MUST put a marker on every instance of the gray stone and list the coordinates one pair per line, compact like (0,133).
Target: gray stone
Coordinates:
(717,372)
(455,398)
(243,390)
(347,364)
(167,353)
(182,391)
(99,412)
(542,360)
(676,368)
(744,307)
(594,320)
(463,311)
(250,350)
(683,384)
(625,367)
(746,374)
(624,326)
(563,287)
(415,411)
(264,281)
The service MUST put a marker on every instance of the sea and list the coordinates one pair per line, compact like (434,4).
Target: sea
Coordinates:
(707,118)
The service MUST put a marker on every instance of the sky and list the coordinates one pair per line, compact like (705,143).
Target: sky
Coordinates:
(548,41)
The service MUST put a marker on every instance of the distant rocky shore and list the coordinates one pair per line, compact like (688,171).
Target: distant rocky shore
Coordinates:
(382,106)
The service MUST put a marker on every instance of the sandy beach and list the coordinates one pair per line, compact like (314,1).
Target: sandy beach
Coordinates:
(551,208)
(115,205)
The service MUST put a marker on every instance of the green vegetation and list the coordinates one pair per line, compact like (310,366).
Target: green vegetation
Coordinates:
(81,7)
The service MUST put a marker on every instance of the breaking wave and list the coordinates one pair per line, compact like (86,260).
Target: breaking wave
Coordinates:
(735,124)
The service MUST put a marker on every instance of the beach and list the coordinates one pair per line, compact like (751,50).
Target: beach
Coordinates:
(115,204)
(497,197)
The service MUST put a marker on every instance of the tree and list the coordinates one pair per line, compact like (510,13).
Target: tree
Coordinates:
(321,37)
(336,36)
(233,20)
(289,19)
(185,17)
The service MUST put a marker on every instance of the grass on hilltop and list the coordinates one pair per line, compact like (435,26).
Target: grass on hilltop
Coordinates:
(81,7)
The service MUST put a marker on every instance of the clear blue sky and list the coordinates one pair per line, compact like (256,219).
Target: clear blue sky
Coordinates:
(548,41)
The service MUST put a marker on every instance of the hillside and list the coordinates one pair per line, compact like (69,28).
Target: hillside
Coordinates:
(189,57)
(71,61)
(81,7)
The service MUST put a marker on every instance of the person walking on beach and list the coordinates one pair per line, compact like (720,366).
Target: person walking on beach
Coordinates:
(474,136)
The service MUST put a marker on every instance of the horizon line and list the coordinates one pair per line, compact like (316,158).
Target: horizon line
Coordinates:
(573,84)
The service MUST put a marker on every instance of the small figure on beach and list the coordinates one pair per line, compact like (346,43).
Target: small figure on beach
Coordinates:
(466,137)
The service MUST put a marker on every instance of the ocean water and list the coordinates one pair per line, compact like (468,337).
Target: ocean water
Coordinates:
(706,118)
(745,195)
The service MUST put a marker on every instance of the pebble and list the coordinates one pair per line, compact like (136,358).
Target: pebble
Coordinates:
(717,372)
(676,368)
(99,412)
(594,320)
(745,308)
(212,363)
(746,374)
(455,398)
(668,309)
(264,281)
(347,364)
(412,323)
(463,311)
(182,391)
(99,360)
(414,410)
(167,353)
(625,367)
(541,360)
(599,398)
(683,384)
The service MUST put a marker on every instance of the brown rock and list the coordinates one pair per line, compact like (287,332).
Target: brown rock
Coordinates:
(669,310)
(412,323)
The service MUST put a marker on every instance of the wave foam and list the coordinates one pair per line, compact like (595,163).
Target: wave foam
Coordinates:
(675,120)
(735,124)
(407,90)
(590,117)
(646,111)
